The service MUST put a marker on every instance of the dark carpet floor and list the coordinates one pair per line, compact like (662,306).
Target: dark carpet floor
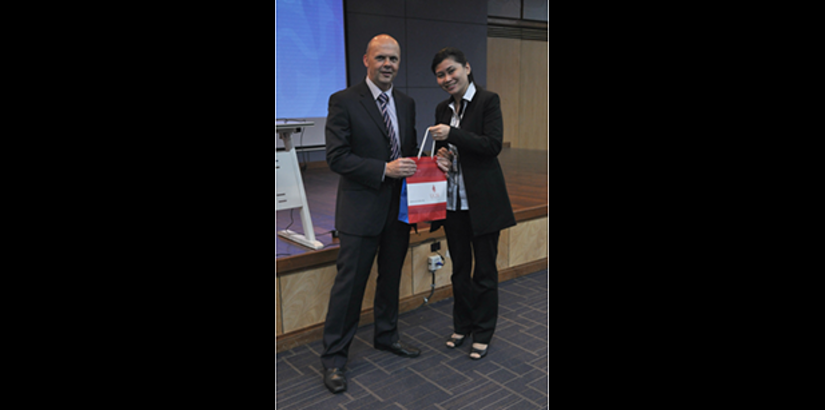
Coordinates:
(513,375)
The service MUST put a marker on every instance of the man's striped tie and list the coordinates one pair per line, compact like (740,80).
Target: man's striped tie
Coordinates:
(395,152)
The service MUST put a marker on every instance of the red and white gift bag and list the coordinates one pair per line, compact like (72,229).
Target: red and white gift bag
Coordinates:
(424,194)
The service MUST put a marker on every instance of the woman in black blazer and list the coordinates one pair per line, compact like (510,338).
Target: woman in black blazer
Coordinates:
(469,139)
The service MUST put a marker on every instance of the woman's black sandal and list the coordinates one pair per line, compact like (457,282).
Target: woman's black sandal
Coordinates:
(455,341)
(480,353)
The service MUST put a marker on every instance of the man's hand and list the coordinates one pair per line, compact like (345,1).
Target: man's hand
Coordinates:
(401,168)
(444,159)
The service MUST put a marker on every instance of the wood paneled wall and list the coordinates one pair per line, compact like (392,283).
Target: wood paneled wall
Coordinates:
(503,60)
(279,326)
(304,296)
(518,71)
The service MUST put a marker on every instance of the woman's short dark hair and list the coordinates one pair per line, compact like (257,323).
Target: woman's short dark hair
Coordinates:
(450,52)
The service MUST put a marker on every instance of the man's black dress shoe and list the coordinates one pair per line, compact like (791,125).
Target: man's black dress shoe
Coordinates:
(400,348)
(335,380)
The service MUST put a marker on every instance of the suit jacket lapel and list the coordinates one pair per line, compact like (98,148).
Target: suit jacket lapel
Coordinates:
(447,113)
(469,112)
(401,113)
(372,109)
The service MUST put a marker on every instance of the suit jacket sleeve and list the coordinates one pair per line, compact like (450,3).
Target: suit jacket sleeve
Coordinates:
(342,155)
(486,120)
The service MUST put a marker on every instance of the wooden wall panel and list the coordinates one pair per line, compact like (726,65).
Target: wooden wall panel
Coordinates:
(305,297)
(503,60)
(279,327)
(503,257)
(518,71)
(302,298)
(533,95)
(528,241)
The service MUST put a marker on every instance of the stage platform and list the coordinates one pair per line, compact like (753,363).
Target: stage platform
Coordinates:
(525,172)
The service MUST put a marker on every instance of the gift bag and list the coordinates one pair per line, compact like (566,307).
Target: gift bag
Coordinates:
(424,194)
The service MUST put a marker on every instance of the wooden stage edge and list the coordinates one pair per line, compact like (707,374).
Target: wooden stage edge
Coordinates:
(292,264)
(312,333)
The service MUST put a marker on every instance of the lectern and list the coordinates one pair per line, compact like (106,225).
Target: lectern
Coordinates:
(289,187)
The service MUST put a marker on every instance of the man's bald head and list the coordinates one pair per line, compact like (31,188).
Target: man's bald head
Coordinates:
(382,60)
(381,39)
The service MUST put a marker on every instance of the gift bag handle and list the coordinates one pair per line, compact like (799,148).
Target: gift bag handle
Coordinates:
(432,150)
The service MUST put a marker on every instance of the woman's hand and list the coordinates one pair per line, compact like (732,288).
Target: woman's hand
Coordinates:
(444,159)
(439,132)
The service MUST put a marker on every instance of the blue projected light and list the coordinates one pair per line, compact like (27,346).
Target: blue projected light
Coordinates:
(311,62)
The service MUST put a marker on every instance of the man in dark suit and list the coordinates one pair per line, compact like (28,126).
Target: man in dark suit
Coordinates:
(370,129)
